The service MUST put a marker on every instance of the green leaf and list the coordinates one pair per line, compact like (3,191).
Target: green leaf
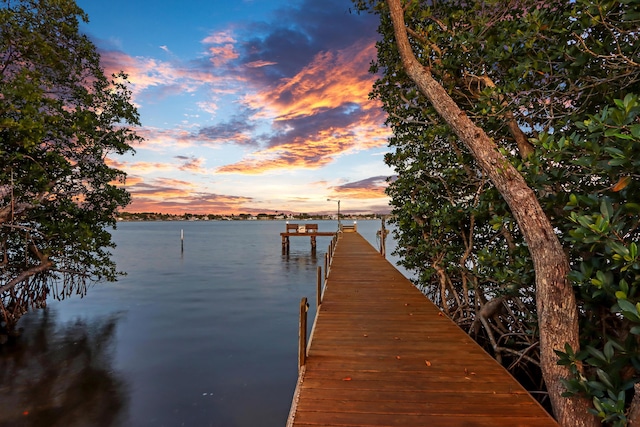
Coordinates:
(617,162)
(615,152)
(596,353)
(608,351)
(611,132)
(624,287)
(621,295)
(619,248)
(629,310)
(601,277)
(604,377)
(626,305)
(629,101)
(597,385)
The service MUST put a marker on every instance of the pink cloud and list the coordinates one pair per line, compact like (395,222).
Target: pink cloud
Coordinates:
(258,64)
(145,74)
(191,164)
(221,55)
(220,37)
(174,196)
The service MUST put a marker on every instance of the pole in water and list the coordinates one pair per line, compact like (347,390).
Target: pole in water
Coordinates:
(182,240)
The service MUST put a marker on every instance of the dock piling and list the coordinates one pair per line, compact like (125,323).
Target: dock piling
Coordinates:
(326,265)
(302,333)
(319,286)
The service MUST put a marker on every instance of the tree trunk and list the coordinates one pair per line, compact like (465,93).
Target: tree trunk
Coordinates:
(555,300)
(633,416)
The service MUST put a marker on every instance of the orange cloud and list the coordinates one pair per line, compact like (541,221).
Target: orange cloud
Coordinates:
(321,112)
(316,150)
(360,193)
(332,79)
(370,188)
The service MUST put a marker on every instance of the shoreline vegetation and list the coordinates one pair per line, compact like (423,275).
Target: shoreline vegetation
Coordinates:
(150,216)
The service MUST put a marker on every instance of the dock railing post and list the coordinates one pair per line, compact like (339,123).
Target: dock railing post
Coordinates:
(326,264)
(383,239)
(319,286)
(302,333)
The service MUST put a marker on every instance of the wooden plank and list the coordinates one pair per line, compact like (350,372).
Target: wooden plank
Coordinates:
(314,418)
(382,354)
(309,234)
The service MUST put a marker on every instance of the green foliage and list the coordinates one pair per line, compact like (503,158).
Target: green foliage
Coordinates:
(603,233)
(60,117)
(566,75)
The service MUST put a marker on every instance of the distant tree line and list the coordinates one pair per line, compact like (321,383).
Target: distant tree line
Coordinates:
(516,140)
(157,216)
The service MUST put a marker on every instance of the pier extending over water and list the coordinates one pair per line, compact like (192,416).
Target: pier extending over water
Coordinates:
(302,230)
(381,354)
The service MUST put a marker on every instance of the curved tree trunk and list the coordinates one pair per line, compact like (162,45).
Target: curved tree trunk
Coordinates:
(555,300)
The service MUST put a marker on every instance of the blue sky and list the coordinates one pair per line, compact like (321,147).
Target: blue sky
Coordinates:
(247,106)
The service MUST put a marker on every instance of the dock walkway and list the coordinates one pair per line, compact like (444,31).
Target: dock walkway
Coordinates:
(381,354)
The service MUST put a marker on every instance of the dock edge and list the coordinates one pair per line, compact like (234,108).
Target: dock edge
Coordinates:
(296,397)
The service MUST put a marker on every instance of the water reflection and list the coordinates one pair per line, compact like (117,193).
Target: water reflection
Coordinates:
(61,375)
(300,259)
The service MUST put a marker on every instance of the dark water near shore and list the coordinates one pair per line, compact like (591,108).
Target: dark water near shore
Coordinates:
(204,337)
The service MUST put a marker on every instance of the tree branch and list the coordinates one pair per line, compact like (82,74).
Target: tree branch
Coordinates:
(25,274)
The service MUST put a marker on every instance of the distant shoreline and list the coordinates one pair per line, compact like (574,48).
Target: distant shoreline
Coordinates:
(147,216)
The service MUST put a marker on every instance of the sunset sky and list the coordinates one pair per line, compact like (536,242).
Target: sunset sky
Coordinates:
(247,106)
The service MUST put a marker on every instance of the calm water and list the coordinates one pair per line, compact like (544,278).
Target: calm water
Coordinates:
(204,337)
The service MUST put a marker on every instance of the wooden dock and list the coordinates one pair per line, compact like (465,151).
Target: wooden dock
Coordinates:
(302,230)
(381,354)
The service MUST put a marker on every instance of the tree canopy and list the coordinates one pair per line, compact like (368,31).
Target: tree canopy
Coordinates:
(555,85)
(60,117)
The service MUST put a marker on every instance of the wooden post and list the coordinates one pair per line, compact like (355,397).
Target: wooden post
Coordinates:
(181,240)
(383,235)
(302,333)
(319,285)
(285,245)
(326,264)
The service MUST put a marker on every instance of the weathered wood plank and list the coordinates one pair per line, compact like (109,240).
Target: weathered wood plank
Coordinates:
(382,354)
